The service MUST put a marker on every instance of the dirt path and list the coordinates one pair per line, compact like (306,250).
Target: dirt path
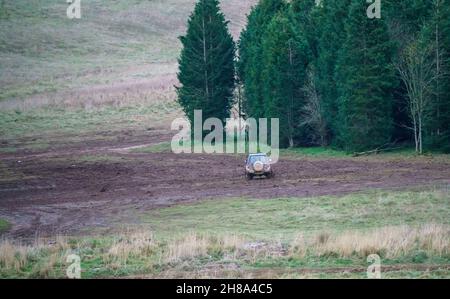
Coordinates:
(62,191)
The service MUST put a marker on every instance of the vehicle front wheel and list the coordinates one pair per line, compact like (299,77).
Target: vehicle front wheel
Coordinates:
(249,176)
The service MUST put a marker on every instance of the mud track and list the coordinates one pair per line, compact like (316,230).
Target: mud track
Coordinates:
(57,191)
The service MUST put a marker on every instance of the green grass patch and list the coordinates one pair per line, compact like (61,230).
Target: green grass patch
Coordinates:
(314,152)
(8,149)
(328,152)
(155,148)
(99,159)
(4,225)
(285,217)
(43,123)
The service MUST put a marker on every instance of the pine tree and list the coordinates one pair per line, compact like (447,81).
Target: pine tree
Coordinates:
(305,16)
(331,36)
(365,77)
(406,17)
(445,98)
(436,33)
(285,59)
(206,65)
(250,55)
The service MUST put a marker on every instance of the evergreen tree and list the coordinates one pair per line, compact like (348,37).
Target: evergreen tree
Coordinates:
(365,77)
(437,34)
(307,27)
(405,17)
(444,120)
(250,55)
(348,60)
(331,36)
(206,66)
(285,59)
(305,13)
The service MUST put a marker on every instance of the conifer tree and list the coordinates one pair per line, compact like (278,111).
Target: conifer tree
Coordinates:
(445,100)
(285,59)
(436,33)
(365,79)
(330,39)
(305,13)
(206,65)
(250,65)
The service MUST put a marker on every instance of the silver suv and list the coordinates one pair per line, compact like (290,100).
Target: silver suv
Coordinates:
(258,165)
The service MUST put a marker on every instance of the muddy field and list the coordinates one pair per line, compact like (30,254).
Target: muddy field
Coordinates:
(99,186)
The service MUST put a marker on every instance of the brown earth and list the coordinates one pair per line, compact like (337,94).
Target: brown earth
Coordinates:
(102,184)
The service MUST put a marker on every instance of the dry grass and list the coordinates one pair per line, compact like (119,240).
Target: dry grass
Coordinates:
(230,247)
(190,246)
(159,92)
(232,242)
(202,254)
(13,257)
(132,245)
(65,65)
(390,242)
(42,256)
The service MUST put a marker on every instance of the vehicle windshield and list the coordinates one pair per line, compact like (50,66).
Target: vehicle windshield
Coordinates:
(253,159)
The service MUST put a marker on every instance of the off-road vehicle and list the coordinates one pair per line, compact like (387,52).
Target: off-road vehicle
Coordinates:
(258,165)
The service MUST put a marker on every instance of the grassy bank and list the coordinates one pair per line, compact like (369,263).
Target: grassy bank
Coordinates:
(315,237)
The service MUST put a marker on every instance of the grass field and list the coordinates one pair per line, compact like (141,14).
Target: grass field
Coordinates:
(114,69)
(73,90)
(322,237)
(47,122)
(281,218)
(119,50)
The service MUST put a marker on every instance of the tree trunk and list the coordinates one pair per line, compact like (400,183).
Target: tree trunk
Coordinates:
(416,139)
(291,108)
(420,135)
(205,60)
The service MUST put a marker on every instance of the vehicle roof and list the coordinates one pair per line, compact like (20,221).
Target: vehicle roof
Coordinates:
(260,154)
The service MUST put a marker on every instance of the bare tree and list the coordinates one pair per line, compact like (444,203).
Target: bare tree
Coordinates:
(417,67)
(312,110)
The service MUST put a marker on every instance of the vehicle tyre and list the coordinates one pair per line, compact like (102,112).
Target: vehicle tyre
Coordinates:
(249,176)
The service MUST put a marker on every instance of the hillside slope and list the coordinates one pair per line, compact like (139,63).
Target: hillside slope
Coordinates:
(120,52)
